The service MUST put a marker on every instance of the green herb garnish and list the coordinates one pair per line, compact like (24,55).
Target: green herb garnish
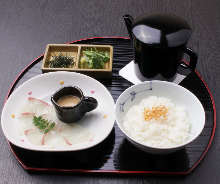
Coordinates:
(94,59)
(61,61)
(44,125)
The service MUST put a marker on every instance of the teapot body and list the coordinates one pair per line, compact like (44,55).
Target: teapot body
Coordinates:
(159,43)
(155,60)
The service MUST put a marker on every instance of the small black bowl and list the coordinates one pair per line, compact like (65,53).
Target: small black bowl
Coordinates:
(74,113)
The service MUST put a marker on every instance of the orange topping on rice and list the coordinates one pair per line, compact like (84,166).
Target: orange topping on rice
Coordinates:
(105,116)
(13,116)
(157,113)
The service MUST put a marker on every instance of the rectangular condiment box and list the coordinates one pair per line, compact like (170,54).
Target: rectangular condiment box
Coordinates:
(75,51)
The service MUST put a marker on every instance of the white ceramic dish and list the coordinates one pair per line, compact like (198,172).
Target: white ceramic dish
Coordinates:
(100,123)
(178,95)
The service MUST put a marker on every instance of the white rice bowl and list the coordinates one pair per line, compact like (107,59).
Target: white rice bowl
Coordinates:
(185,117)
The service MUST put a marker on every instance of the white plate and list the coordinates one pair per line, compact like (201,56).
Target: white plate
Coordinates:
(42,87)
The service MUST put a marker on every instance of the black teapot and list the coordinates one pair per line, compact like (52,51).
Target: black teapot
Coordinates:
(159,42)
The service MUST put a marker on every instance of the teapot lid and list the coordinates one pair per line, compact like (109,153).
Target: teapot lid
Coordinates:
(162,30)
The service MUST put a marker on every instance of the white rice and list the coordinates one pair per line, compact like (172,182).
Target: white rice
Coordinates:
(157,133)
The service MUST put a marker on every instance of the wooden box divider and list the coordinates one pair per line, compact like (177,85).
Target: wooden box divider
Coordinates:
(76,51)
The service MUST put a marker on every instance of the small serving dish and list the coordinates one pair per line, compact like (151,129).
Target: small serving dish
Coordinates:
(64,51)
(71,105)
(76,57)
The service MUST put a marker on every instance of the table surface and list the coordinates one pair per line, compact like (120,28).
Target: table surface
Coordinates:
(27,26)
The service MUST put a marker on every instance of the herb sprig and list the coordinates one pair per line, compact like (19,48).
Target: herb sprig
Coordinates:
(61,61)
(44,125)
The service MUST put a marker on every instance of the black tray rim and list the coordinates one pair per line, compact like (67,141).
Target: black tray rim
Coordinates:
(28,168)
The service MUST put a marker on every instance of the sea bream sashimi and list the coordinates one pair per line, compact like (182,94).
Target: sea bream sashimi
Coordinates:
(60,135)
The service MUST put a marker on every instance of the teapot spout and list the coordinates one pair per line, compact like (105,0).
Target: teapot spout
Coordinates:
(128,22)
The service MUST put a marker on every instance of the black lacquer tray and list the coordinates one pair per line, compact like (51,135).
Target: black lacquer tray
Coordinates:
(116,154)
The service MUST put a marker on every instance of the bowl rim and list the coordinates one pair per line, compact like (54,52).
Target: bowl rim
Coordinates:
(152,147)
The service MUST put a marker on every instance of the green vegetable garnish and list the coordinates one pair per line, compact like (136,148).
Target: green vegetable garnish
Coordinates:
(94,59)
(44,125)
(61,61)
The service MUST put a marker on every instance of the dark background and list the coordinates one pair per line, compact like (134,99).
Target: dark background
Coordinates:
(27,26)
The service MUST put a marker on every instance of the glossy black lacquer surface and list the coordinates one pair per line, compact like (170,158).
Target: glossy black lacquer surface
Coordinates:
(116,153)
(159,41)
(74,113)
(162,30)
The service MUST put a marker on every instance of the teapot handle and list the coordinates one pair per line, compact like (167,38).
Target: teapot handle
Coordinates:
(193,59)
